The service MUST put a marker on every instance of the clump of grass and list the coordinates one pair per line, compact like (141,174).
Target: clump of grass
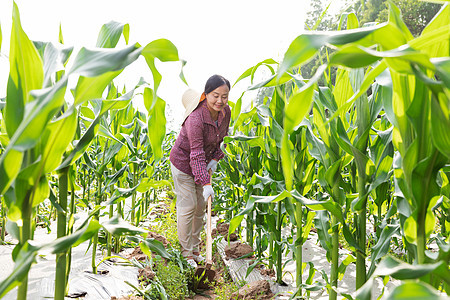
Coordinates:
(225,291)
(166,225)
(174,281)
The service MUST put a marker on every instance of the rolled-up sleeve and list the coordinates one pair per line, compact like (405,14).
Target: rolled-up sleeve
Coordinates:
(194,128)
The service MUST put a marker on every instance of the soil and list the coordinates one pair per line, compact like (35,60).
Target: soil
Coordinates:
(267,272)
(255,290)
(237,250)
(146,274)
(158,237)
(222,229)
(137,254)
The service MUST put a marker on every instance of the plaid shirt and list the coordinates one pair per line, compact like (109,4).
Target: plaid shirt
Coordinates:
(199,142)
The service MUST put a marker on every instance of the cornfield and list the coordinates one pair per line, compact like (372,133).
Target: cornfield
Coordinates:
(362,161)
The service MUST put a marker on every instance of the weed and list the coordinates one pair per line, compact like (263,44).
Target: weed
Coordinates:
(172,278)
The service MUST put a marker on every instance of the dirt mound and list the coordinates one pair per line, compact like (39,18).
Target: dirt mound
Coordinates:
(146,274)
(158,237)
(255,290)
(137,254)
(222,229)
(267,272)
(237,250)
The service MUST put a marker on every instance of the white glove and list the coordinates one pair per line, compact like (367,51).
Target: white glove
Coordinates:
(208,191)
(212,165)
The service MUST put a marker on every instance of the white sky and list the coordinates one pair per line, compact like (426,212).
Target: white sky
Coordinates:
(214,37)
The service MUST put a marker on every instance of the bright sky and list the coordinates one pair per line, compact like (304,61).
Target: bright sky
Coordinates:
(214,37)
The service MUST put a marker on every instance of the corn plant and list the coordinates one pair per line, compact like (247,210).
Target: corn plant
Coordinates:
(40,125)
(377,152)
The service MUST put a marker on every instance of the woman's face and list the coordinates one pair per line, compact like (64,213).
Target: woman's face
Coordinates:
(217,99)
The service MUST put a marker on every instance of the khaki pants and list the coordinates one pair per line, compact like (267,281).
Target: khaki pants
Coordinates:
(191,207)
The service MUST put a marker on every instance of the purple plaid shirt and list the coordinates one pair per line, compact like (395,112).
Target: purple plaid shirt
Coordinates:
(199,142)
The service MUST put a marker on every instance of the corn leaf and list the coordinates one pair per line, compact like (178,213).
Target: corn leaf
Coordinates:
(164,50)
(110,34)
(117,226)
(156,246)
(414,290)
(157,122)
(26,74)
(91,132)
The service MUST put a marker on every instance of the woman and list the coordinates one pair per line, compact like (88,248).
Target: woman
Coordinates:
(196,151)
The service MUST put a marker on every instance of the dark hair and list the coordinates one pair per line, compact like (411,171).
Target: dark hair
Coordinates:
(214,82)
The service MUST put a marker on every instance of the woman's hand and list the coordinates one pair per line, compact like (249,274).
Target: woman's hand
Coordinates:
(208,191)
(212,165)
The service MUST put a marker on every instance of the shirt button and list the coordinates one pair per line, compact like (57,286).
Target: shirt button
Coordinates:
(217,135)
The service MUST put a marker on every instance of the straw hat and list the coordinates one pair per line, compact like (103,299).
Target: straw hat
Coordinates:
(190,99)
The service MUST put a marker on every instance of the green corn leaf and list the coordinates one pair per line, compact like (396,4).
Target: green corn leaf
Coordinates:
(400,270)
(423,179)
(236,220)
(322,224)
(120,194)
(25,259)
(147,183)
(308,224)
(395,18)
(157,123)
(343,266)
(55,139)
(332,175)
(440,123)
(251,71)
(183,63)
(55,58)
(164,50)
(38,113)
(305,46)
(287,160)
(414,290)
(26,74)
(298,106)
(27,254)
(328,205)
(252,141)
(382,246)
(365,85)
(93,63)
(272,81)
(91,88)
(151,244)
(434,39)
(117,226)
(91,132)
(442,65)
(236,109)
(10,164)
(110,34)
(365,292)
(271,199)
(106,132)
(82,234)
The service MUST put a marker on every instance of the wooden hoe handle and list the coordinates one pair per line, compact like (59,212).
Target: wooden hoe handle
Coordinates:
(208,231)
